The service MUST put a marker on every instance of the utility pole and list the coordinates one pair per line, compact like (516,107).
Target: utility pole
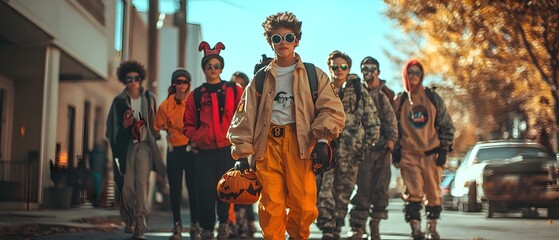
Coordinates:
(153,45)
(181,22)
(125,52)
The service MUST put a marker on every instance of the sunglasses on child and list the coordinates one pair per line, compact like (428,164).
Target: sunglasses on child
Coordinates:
(130,79)
(179,82)
(216,66)
(289,38)
(416,73)
(342,66)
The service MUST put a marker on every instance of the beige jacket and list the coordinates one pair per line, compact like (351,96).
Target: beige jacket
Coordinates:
(249,129)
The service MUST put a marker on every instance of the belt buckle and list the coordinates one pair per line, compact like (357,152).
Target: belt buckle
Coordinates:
(278,131)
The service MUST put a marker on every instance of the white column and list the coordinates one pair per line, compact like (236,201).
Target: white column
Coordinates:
(125,52)
(49,115)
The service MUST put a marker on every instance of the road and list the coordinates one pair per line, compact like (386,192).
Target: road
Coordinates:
(453,226)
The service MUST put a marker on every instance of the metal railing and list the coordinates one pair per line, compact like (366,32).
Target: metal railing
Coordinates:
(19,181)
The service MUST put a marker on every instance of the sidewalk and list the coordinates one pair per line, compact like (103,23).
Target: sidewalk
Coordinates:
(21,224)
(39,224)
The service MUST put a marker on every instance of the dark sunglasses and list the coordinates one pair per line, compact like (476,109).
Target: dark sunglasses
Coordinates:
(416,73)
(289,38)
(130,79)
(368,69)
(179,82)
(335,67)
(216,66)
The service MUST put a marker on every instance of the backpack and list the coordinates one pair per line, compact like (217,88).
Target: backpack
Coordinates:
(220,99)
(311,75)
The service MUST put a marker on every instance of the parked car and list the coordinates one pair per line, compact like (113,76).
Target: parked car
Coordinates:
(528,182)
(469,175)
(449,202)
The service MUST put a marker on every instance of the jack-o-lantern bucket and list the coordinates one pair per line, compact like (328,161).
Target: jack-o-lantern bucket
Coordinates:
(239,187)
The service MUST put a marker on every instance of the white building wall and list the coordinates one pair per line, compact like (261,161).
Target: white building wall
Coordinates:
(168,57)
(73,29)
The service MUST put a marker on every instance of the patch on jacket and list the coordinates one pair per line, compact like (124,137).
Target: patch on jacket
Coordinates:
(241,107)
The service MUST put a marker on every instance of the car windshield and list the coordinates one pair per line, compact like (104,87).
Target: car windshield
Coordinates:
(496,153)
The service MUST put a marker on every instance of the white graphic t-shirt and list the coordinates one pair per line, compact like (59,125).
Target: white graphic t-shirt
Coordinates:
(136,105)
(282,108)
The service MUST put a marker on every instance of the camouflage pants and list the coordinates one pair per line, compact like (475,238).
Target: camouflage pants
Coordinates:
(372,197)
(336,189)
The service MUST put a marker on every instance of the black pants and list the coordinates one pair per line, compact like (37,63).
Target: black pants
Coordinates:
(180,163)
(248,209)
(210,166)
(118,178)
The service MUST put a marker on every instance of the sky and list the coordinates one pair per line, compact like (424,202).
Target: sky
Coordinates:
(356,27)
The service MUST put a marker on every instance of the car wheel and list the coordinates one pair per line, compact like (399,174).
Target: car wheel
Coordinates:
(469,201)
(530,213)
(489,209)
(455,203)
(553,212)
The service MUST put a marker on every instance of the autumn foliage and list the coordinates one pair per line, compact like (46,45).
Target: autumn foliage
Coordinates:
(499,62)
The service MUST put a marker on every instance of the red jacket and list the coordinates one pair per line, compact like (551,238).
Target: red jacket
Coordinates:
(211,131)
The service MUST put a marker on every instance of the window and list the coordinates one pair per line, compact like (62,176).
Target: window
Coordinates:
(502,153)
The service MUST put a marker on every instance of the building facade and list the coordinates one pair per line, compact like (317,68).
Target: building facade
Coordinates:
(57,81)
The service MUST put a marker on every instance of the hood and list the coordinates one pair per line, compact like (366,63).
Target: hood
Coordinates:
(406,81)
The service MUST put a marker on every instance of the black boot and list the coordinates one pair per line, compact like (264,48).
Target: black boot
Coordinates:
(432,229)
(433,214)
(327,233)
(416,232)
(177,231)
(374,226)
(413,216)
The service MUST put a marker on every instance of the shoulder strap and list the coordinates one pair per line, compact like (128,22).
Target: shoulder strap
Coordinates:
(234,86)
(313,80)
(197,101)
(259,78)
(358,94)
(431,95)
(148,100)
(259,84)
(403,98)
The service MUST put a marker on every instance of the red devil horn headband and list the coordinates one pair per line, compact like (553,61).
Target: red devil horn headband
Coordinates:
(204,46)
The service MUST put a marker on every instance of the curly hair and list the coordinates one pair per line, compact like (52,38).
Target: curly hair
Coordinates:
(338,54)
(282,19)
(128,67)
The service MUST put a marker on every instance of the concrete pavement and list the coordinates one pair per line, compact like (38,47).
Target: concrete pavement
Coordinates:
(99,223)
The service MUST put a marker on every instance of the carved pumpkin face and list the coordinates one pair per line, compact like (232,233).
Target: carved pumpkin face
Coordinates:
(239,187)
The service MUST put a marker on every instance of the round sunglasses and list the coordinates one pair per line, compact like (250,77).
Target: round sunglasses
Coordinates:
(416,73)
(288,37)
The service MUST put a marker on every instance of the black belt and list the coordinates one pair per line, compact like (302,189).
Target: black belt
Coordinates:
(432,151)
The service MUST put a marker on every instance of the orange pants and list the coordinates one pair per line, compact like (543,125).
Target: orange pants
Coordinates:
(422,178)
(287,182)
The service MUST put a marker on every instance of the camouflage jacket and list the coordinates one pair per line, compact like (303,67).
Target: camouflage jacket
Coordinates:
(389,123)
(362,123)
